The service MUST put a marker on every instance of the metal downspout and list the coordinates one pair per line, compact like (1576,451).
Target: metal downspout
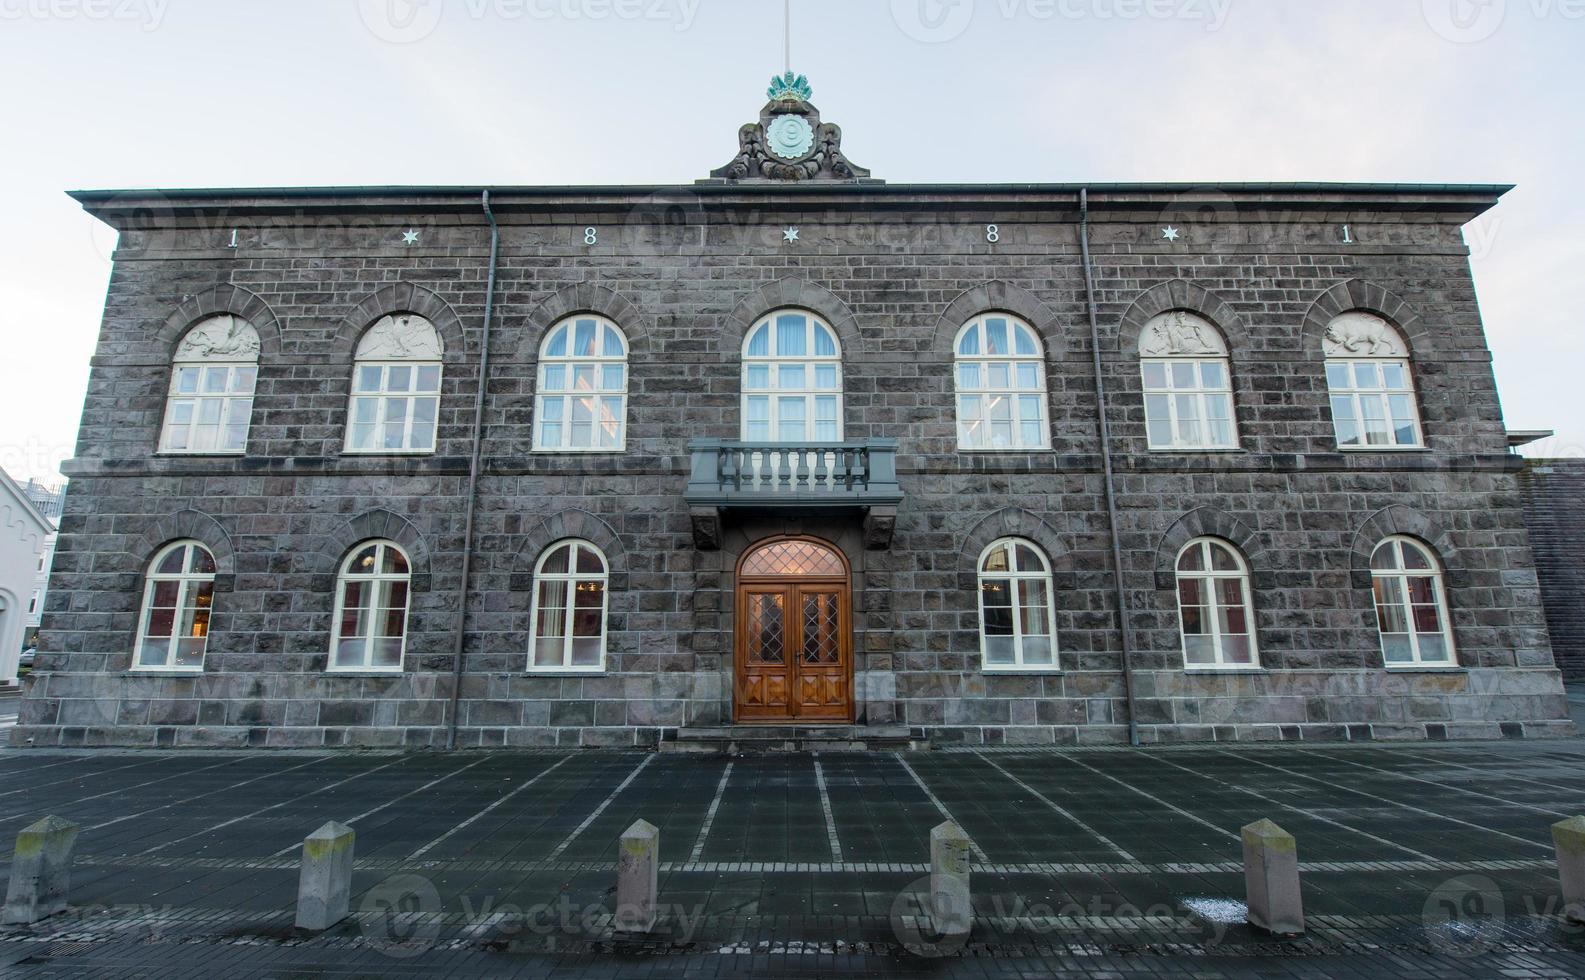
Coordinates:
(1106,465)
(473,477)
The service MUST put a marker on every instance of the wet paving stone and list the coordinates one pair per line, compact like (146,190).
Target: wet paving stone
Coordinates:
(1423,860)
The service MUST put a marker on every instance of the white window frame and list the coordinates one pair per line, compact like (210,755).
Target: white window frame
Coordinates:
(188,583)
(571,578)
(568,396)
(1014,576)
(1208,579)
(984,395)
(1357,397)
(775,395)
(1402,574)
(382,397)
(379,586)
(1203,396)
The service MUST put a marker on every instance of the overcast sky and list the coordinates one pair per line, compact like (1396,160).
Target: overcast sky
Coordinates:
(191,93)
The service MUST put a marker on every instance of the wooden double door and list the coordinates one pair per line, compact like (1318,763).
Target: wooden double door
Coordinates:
(794,635)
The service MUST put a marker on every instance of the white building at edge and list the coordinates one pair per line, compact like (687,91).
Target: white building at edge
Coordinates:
(48,500)
(24,534)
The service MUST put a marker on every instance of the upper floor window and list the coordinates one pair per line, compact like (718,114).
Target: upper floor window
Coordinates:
(1411,605)
(1016,620)
(1001,385)
(1367,373)
(1215,609)
(792,381)
(372,594)
(212,383)
(569,614)
(582,403)
(1188,384)
(396,387)
(173,632)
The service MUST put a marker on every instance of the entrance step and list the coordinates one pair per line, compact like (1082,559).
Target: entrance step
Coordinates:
(752,739)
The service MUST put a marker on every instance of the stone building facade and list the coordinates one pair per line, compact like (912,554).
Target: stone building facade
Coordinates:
(895,272)
(1554,504)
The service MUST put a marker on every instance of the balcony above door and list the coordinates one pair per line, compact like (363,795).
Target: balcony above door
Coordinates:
(794,478)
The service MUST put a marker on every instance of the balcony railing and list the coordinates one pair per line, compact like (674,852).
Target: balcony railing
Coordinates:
(837,474)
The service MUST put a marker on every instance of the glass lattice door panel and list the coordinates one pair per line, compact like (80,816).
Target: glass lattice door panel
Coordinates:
(765,643)
(822,687)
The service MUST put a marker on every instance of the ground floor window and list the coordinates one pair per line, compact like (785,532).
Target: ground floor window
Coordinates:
(569,614)
(371,609)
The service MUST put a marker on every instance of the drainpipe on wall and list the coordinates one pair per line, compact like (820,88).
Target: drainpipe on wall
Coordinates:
(473,477)
(1106,465)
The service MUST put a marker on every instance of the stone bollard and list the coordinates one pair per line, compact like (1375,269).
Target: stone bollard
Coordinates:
(1569,839)
(41,871)
(1271,878)
(638,878)
(324,887)
(950,910)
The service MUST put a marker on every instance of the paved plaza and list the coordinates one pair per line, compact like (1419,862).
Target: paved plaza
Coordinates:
(1418,860)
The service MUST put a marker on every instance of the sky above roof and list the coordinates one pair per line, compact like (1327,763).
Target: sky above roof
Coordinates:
(193,93)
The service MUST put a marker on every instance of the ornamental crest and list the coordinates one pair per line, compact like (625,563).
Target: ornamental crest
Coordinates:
(790,143)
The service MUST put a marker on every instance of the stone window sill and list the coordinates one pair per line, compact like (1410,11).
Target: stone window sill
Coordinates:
(1224,670)
(567,673)
(161,673)
(364,673)
(1021,671)
(1209,451)
(1383,449)
(1426,670)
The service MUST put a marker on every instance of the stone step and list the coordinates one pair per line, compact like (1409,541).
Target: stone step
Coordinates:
(746,739)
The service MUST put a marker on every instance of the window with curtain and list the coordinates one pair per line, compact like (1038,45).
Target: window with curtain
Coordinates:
(1215,607)
(1017,624)
(581,404)
(1411,605)
(372,596)
(792,381)
(1001,386)
(570,609)
(173,632)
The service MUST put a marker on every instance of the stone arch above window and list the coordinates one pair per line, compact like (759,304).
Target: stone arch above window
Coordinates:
(221,337)
(569,525)
(1014,523)
(185,525)
(402,298)
(1401,520)
(571,301)
(1180,295)
(1204,522)
(375,525)
(227,300)
(1360,296)
(997,296)
(401,337)
(791,294)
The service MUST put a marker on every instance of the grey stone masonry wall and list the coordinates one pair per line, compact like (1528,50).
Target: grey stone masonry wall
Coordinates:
(686,273)
(1554,510)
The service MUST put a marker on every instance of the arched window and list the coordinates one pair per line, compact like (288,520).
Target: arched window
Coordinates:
(1367,373)
(1016,619)
(1001,383)
(396,387)
(792,381)
(1215,609)
(1411,605)
(582,404)
(1188,384)
(569,614)
(371,609)
(174,630)
(212,384)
